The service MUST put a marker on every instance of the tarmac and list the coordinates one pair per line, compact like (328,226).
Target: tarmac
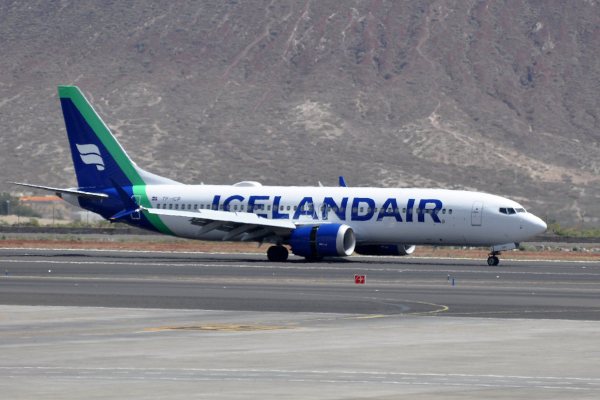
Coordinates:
(218,326)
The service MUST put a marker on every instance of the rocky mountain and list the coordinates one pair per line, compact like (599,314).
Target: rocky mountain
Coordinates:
(499,96)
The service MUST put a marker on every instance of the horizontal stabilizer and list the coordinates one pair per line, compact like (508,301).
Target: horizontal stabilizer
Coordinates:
(59,191)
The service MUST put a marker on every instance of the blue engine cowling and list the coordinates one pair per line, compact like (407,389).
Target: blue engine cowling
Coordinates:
(316,241)
(385,249)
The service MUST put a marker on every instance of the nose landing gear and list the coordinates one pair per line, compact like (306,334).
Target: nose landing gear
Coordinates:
(495,250)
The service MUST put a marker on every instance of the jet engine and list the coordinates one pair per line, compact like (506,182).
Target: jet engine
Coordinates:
(316,241)
(385,249)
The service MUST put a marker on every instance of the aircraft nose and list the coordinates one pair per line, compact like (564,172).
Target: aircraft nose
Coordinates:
(536,225)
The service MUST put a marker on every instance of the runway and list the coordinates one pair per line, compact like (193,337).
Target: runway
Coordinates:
(106,324)
(247,282)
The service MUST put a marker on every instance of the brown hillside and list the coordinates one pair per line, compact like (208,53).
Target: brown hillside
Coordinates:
(499,96)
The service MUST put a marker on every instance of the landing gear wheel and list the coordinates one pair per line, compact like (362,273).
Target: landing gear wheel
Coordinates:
(493,261)
(277,253)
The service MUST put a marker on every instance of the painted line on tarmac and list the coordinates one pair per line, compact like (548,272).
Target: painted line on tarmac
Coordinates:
(302,267)
(261,254)
(217,327)
(295,375)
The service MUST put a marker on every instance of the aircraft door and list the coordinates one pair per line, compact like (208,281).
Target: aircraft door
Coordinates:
(477,213)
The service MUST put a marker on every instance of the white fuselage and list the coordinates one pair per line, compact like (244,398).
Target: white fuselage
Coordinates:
(377,215)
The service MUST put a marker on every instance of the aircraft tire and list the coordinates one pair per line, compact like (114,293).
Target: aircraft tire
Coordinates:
(493,261)
(277,254)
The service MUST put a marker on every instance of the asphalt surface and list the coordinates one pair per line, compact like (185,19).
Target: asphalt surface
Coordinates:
(108,324)
(248,282)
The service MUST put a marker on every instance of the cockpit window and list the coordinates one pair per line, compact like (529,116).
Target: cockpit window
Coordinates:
(510,211)
(520,210)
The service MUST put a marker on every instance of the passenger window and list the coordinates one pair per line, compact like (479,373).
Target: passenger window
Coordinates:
(242,207)
(404,211)
(281,208)
(443,211)
(189,206)
(361,209)
(288,208)
(450,211)
(202,206)
(195,206)
(268,207)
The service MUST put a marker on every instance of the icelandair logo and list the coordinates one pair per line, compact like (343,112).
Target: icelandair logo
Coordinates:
(90,154)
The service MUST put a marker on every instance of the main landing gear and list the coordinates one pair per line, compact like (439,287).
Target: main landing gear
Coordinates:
(277,253)
(493,259)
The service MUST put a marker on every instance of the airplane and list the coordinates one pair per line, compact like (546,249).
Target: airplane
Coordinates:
(311,222)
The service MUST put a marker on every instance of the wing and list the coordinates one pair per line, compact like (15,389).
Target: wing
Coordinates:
(237,226)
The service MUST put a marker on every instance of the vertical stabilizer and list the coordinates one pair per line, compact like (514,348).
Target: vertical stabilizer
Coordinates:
(98,158)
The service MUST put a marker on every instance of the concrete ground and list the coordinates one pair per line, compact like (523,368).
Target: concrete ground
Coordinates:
(98,353)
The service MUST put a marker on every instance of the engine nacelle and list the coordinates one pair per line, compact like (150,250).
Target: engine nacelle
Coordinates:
(385,249)
(315,241)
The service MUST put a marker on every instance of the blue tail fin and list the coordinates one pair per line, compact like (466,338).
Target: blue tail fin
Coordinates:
(98,158)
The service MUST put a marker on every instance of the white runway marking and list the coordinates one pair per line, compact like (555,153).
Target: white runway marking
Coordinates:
(320,376)
(261,255)
(303,267)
